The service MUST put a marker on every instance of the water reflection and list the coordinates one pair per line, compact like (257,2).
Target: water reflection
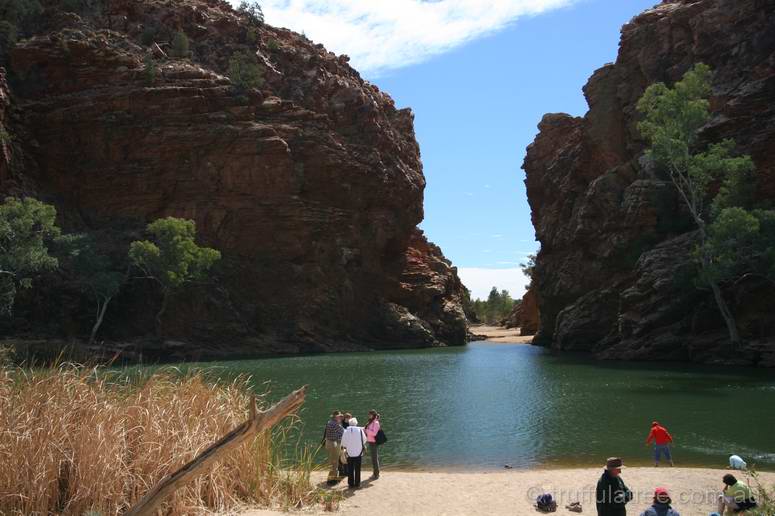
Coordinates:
(488,405)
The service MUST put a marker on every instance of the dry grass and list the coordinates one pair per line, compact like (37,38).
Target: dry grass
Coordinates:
(75,441)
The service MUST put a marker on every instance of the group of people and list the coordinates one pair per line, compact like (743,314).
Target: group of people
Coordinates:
(346,443)
(612,495)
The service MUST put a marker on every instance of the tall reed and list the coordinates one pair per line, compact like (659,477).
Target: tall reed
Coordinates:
(75,440)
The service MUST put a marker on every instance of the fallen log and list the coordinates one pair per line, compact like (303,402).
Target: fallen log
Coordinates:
(257,422)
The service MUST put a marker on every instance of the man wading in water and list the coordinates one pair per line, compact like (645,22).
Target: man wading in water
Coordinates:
(662,440)
(611,494)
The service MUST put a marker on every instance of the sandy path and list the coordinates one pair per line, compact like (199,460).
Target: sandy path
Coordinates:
(511,492)
(501,335)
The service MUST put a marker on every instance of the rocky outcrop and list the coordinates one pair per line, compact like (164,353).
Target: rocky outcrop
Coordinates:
(614,274)
(525,314)
(311,187)
(430,289)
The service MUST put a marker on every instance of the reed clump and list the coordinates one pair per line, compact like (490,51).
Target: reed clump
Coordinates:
(75,440)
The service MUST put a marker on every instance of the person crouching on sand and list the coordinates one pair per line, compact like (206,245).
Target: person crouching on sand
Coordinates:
(354,442)
(662,440)
(372,429)
(611,494)
(661,505)
(735,497)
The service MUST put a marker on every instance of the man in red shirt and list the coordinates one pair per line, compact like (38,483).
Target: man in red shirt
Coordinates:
(662,440)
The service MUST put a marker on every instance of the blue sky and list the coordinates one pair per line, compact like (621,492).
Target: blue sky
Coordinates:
(479,75)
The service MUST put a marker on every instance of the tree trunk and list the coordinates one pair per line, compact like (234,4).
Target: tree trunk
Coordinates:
(723,307)
(164,300)
(256,423)
(726,313)
(101,308)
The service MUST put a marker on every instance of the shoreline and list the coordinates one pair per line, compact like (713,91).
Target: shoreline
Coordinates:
(475,469)
(499,334)
(693,490)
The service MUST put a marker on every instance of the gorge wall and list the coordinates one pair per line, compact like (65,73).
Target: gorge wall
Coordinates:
(614,274)
(312,187)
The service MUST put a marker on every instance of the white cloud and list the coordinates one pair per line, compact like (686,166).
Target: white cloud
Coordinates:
(480,280)
(380,35)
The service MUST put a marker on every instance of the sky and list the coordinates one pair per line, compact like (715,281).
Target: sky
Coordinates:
(479,75)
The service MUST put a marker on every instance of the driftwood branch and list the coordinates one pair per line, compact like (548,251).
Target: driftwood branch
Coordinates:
(256,423)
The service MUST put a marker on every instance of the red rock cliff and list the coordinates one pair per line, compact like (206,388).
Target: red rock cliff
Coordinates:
(312,187)
(614,272)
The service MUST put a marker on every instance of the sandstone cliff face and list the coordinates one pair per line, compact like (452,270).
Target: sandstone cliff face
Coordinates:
(614,272)
(5,128)
(312,187)
(525,315)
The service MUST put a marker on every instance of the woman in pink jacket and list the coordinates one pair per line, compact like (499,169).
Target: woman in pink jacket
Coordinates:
(372,428)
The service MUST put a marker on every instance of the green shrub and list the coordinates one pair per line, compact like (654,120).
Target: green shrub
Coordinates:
(273,45)
(180,46)
(83,7)
(26,227)
(23,15)
(150,70)
(148,35)
(172,259)
(8,36)
(251,35)
(245,72)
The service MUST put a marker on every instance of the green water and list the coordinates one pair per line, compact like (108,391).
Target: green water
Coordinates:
(486,405)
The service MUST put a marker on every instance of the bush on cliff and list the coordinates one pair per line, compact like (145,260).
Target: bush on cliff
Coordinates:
(716,186)
(27,226)
(172,259)
(180,45)
(528,269)
(245,72)
(83,7)
(8,38)
(150,70)
(22,14)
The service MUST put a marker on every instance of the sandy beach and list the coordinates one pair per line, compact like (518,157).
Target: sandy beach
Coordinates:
(499,334)
(512,492)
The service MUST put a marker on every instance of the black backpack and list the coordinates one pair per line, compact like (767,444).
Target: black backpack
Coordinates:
(546,503)
(380,438)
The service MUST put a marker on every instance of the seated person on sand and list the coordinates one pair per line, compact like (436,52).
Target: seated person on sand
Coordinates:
(736,496)
(661,505)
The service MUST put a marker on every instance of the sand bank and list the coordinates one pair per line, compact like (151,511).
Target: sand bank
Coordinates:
(501,335)
(512,492)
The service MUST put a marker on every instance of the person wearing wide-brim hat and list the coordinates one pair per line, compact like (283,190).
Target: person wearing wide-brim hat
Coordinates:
(612,495)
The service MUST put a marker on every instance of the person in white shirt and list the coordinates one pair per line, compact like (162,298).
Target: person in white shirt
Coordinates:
(354,441)
(736,462)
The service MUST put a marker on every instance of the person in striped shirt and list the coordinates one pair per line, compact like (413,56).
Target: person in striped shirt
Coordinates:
(333,438)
